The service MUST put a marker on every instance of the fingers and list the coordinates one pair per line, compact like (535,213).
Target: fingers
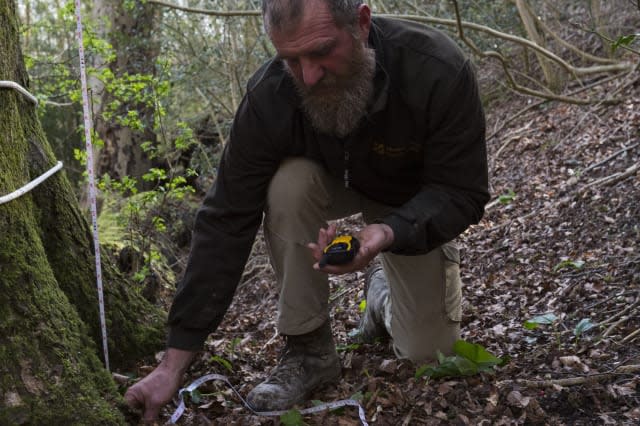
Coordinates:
(151,413)
(133,399)
(362,259)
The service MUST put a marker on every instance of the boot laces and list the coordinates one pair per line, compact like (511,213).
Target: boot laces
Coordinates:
(290,364)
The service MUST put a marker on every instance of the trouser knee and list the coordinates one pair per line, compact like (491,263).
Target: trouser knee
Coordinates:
(296,186)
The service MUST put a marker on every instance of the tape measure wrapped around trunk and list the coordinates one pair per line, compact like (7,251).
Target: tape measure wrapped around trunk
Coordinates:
(341,250)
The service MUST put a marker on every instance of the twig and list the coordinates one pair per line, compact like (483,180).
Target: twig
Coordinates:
(630,336)
(612,179)
(615,325)
(612,156)
(342,293)
(519,134)
(271,340)
(572,381)
(544,101)
(120,378)
(226,13)
(619,314)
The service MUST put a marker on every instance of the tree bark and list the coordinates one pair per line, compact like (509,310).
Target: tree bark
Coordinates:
(50,368)
(130,30)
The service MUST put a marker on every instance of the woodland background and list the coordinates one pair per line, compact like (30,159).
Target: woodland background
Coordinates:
(552,273)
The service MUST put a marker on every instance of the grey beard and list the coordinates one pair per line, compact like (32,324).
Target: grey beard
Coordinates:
(339,110)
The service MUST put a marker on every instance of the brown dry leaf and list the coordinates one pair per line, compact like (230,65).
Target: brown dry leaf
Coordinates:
(516,399)
(633,414)
(388,365)
(573,362)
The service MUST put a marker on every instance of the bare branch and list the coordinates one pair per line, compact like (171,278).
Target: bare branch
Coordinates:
(222,13)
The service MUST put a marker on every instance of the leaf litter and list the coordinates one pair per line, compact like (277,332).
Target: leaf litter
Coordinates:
(556,250)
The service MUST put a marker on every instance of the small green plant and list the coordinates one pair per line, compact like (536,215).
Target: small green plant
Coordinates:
(568,263)
(624,41)
(539,320)
(223,362)
(582,327)
(195,396)
(507,198)
(347,348)
(469,359)
(292,418)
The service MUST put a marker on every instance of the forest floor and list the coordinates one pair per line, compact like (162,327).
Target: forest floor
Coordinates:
(560,237)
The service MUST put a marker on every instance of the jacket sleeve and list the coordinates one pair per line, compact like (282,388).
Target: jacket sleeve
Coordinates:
(224,231)
(455,184)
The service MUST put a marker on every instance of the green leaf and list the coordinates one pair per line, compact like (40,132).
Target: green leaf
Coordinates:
(358,396)
(575,264)
(476,353)
(470,359)
(584,325)
(624,40)
(507,198)
(363,305)
(222,361)
(349,347)
(196,396)
(292,418)
(535,322)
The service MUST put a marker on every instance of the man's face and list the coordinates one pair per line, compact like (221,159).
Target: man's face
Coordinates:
(330,66)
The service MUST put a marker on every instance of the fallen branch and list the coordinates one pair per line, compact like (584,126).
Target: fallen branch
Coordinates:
(609,158)
(518,134)
(619,314)
(573,381)
(630,336)
(612,179)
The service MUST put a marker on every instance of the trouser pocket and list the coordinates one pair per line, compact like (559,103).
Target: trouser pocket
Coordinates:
(453,282)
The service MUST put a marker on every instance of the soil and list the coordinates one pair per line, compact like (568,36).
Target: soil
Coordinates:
(558,237)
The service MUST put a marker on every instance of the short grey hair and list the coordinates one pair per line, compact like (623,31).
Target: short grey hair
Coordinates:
(282,15)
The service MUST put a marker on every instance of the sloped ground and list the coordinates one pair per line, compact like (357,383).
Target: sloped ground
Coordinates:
(561,239)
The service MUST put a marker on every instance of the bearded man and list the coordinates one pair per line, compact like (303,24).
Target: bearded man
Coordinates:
(355,115)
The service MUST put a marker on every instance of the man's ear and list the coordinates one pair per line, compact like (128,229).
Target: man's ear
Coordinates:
(364,21)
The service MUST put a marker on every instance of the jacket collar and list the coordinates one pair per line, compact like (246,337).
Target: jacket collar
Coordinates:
(381,78)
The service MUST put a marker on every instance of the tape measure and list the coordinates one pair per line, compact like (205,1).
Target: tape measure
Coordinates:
(341,250)
(316,409)
(92,182)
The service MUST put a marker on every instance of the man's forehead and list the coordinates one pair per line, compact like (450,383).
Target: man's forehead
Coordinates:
(314,46)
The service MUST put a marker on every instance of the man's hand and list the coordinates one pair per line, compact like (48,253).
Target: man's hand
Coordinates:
(373,239)
(160,386)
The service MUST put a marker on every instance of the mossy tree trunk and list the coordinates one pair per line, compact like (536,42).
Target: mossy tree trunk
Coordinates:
(50,364)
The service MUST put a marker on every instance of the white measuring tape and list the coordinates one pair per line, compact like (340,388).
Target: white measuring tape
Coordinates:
(318,408)
(28,187)
(16,86)
(92,185)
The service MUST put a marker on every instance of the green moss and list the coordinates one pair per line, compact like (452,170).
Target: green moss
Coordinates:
(50,372)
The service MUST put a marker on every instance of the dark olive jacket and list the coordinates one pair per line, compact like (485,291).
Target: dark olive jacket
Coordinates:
(421,148)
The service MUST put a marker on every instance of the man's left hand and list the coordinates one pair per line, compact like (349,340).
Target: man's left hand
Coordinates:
(373,239)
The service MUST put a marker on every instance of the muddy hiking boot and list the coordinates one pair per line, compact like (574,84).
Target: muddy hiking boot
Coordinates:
(307,362)
(377,314)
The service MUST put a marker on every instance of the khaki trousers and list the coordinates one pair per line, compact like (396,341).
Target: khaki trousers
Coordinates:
(425,302)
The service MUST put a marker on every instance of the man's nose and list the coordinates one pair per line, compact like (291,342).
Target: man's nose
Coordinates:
(312,72)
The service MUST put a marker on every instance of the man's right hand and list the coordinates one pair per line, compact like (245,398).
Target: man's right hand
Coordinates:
(160,386)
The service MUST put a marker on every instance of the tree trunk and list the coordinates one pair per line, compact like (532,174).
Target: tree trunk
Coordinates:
(129,29)
(50,368)
(552,77)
